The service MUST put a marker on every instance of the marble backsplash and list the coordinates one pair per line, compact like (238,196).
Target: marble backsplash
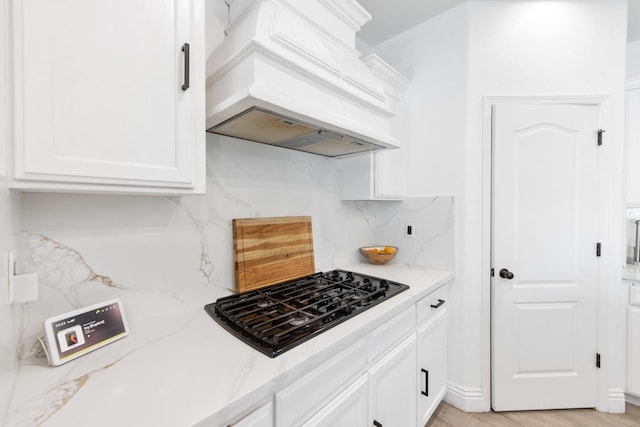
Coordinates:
(10,226)
(162,254)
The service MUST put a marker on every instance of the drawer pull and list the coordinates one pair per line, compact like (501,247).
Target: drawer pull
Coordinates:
(425,392)
(440,302)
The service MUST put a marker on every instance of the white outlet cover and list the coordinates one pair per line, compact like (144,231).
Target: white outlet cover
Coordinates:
(413,231)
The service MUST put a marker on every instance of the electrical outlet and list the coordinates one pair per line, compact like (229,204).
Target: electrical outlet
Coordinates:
(410,231)
(21,287)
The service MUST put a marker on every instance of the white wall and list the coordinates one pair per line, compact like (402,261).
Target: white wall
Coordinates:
(508,48)
(538,48)
(434,57)
(10,225)
(10,222)
(633,60)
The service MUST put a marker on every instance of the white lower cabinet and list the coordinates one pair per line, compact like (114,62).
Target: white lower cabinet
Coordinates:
(349,409)
(432,365)
(634,350)
(395,377)
(632,301)
(261,417)
(392,387)
(385,396)
(316,389)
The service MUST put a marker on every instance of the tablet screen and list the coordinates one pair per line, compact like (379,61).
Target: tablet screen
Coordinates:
(82,332)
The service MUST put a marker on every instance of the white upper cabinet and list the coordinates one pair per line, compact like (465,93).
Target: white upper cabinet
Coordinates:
(109,96)
(379,175)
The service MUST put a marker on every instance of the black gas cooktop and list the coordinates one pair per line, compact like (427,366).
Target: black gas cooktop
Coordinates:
(279,317)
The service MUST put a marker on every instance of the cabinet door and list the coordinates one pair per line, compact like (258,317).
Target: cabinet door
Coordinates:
(392,387)
(372,176)
(99,92)
(389,175)
(301,399)
(634,350)
(349,409)
(432,365)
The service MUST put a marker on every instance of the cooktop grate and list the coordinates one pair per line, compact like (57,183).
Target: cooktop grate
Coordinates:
(279,317)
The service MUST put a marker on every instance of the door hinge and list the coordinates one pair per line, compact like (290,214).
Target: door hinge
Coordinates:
(598,249)
(492,272)
(597,360)
(600,132)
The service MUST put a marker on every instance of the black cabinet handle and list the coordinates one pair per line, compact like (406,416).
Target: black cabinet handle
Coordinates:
(426,381)
(440,302)
(377,424)
(185,49)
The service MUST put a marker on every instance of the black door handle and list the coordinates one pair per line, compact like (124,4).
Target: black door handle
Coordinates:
(440,302)
(506,274)
(425,392)
(377,424)
(185,49)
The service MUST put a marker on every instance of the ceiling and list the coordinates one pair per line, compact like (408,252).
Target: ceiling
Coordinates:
(390,20)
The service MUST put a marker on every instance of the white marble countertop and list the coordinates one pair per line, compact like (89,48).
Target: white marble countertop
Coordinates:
(197,373)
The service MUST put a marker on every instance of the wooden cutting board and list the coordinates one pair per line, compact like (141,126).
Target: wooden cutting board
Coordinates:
(271,250)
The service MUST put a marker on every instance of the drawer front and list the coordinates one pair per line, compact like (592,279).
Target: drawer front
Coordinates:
(300,400)
(428,306)
(261,417)
(349,409)
(380,340)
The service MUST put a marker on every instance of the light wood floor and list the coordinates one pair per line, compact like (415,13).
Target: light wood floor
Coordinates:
(448,416)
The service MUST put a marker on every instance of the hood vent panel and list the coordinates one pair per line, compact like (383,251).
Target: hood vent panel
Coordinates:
(283,78)
(259,125)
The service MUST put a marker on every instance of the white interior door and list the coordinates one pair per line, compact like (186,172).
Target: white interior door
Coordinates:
(545,233)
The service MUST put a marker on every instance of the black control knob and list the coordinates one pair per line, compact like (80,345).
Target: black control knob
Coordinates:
(506,274)
(346,308)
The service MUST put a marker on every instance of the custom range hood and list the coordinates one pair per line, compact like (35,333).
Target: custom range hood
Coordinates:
(288,74)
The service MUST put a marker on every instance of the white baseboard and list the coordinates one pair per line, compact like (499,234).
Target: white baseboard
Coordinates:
(616,401)
(468,399)
(472,399)
(634,400)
